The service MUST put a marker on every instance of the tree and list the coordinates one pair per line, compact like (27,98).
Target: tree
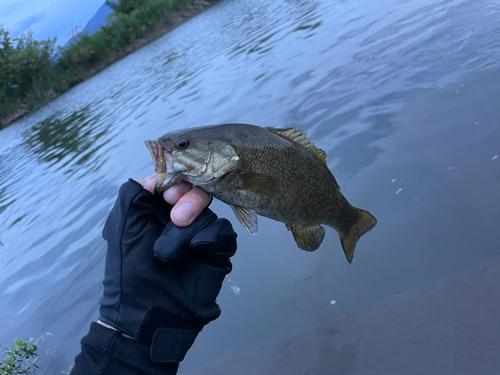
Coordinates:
(75,34)
(124,6)
(25,70)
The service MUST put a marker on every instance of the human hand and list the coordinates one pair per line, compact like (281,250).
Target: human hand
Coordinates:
(188,201)
(161,280)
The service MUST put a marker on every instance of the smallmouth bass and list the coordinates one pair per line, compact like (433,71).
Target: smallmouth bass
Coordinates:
(276,173)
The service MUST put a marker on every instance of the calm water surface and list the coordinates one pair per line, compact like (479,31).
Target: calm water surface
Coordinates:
(402,95)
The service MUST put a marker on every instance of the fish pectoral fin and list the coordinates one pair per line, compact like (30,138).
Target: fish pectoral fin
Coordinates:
(308,238)
(248,218)
(258,183)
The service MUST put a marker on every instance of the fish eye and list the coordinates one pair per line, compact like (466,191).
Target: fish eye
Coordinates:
(181,143)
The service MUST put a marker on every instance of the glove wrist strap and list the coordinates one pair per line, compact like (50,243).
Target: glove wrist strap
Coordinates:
(172,344)
(168,336)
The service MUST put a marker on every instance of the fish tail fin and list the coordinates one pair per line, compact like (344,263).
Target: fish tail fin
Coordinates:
(365,222)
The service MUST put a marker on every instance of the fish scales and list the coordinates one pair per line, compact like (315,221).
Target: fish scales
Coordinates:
(276,173)
(303,194)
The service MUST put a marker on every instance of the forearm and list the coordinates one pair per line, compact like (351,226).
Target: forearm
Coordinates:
(107,352)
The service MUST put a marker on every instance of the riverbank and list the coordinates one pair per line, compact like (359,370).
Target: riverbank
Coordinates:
(160,28)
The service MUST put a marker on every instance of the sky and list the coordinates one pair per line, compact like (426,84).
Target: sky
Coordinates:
(46,18)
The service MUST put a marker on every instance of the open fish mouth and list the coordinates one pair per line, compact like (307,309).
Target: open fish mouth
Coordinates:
(163,166)
(158,157)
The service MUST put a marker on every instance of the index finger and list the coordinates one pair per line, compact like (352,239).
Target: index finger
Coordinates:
(188,203)
(149,183)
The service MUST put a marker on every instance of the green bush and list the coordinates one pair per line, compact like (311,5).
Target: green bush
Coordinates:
(25,70)
(131,20)
(20,358)
(30,73)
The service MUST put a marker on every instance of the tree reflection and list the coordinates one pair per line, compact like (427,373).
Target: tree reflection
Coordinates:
(5,199)
(69,141)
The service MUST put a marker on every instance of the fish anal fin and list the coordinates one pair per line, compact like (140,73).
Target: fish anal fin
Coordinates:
(258,183)
(366,221)
(298,137)
(308,238)
(248,218)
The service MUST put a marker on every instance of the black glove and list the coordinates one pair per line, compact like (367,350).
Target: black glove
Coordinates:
(161,281)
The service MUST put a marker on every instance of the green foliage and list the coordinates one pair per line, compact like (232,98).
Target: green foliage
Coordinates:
(25,70)
(132,19)
(30,73)
(20,358)
(123,6)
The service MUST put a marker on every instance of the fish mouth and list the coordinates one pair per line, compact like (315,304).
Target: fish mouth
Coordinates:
(163,162)
(158,156)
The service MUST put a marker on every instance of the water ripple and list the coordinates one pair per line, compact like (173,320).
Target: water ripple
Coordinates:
(340,70)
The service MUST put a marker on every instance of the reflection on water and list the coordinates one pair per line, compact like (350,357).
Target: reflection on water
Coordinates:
(4,201)
(401,96)
(70,138)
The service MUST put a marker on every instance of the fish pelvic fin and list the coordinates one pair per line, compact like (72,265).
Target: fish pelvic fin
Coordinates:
(365,222)
(247,217)
(308,238)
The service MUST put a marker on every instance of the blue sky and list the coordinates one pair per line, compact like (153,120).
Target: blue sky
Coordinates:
(46,18)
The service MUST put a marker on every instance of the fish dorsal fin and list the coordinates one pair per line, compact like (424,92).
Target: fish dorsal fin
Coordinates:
(298,137)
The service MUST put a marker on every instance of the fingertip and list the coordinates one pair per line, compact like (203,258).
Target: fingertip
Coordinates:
(184,214)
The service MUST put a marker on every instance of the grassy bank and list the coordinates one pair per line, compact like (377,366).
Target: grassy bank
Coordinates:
(31,76)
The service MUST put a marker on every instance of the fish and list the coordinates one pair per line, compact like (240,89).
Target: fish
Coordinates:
(272,172)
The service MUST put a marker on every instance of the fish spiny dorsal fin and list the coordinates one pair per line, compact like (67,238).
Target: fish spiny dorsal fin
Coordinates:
(298,137)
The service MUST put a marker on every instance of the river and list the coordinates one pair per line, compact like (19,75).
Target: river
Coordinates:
(402,95)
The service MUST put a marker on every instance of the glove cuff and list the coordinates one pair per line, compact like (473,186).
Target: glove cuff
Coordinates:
(103,318)
(167,345)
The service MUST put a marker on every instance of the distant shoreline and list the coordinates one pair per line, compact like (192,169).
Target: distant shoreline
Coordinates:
(165,25)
